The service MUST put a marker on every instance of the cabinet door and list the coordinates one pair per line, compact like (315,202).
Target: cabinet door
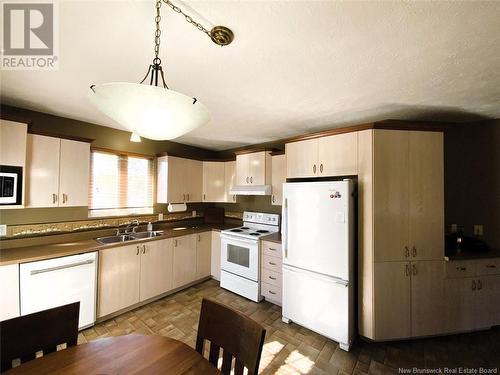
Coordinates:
(243,169)
(488,301)
(392,301)
(13,143)
(194,180)
(426,195)
(176,180)
(9,291)
(338,155)
(74,173)
(42,171)
(119,272)
(229,181)
(215,259)
(257,168)
(302,159)
(427,292)
(213,182)
(278,178)
(390,200)
(156,268)
(459,302)
(184,269)
(203,250)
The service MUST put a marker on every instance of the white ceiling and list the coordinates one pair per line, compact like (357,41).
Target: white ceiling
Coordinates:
(294,66)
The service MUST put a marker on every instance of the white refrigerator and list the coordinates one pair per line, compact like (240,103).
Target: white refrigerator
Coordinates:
(318,257)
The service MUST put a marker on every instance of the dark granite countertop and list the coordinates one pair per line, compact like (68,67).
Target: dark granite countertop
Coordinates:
(40,252)
(469,255)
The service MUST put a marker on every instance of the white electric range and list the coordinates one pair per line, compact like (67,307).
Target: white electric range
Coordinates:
(240,254)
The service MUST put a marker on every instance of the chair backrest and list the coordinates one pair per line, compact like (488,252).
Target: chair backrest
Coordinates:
(24,336)
(238,336)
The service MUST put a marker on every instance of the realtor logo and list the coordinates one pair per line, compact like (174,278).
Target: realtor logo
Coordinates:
(29,37)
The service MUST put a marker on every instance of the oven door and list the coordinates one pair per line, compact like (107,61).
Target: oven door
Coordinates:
(240,256)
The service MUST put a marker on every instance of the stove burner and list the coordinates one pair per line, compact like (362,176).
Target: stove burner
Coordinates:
(262,231)
(254,234)
(245,228)
(235,230)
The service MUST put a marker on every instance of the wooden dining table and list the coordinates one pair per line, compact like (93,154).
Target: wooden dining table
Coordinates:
(131,354)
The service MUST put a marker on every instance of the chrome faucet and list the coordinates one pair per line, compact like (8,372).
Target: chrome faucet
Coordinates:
(136,222)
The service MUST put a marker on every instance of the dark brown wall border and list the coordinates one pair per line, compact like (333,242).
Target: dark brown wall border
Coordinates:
(58,135)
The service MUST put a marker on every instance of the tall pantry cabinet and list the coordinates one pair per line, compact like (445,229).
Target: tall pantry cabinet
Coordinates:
(401,233)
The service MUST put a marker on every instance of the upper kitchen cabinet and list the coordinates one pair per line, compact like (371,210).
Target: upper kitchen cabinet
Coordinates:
(334,155)
(57,172)
(214,181)
(13,143)
(278,178)
(179,180)
(229,181)
(408,195)
(253,168)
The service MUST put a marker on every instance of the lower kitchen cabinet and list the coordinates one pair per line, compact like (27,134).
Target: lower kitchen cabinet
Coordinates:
(9,291)
(215,255)
(488,300)
(156,268)
(119,276)
(184,268)
(392,300)
(203,249)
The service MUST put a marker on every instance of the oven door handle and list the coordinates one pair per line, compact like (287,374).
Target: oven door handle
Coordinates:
(239,239)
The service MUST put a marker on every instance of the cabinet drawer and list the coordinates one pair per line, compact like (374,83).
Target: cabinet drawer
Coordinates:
(271,248)
(489,266)
(272,277)
(271,292)
(271,263)
(463,268)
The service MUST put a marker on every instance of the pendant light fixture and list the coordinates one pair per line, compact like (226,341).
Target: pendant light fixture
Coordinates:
(151,109)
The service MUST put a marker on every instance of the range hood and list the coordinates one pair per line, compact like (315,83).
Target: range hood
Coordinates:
(251,190)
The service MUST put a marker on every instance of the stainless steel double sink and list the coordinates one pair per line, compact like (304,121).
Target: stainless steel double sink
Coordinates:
(129,237)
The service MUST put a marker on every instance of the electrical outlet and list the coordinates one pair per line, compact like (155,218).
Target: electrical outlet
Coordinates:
(454,228)
(3,230)
(478,230)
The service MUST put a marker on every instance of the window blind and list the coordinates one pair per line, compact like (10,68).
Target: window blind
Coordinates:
(120,183)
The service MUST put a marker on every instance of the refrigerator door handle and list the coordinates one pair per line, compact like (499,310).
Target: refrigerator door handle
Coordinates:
(285,228)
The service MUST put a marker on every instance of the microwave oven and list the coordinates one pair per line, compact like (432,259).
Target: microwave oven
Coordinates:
(11,185)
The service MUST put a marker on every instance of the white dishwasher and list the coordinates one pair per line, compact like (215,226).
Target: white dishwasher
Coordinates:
(59,281)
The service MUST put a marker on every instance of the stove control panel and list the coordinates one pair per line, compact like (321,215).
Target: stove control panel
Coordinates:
(261,218)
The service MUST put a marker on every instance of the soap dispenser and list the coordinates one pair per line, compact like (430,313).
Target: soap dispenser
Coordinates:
(150,227)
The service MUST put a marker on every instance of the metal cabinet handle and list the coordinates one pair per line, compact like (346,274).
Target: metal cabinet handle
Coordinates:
(204,196)
(461,268)
(271,292)
(251,179)
(272,248)
(199,238)
(414,269)
(407,269)
(321,168)
(234,197)
(183,197)
(473,285)
(188,196)
(407,252)
(272,263)
(272,198)
(54,198)
(414,251)
(491,266)
(314,168)
(247,179)
(137,250)
(175,243)
(144,249)
(272,278)
(479,285)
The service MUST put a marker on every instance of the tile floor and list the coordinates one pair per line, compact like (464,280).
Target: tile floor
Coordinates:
(291,349)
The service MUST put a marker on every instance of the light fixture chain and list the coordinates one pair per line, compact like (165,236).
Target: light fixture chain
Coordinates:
(188,18)
(157,31)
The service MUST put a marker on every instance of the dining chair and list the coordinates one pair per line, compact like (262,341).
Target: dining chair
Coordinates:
(22,337)
(238,335)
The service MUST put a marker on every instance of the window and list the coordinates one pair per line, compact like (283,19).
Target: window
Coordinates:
(120,184)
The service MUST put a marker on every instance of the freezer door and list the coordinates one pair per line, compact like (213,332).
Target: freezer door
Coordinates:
(317,227)
(319,303)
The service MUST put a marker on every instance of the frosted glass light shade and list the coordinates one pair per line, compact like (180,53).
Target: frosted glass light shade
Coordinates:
(150,111)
